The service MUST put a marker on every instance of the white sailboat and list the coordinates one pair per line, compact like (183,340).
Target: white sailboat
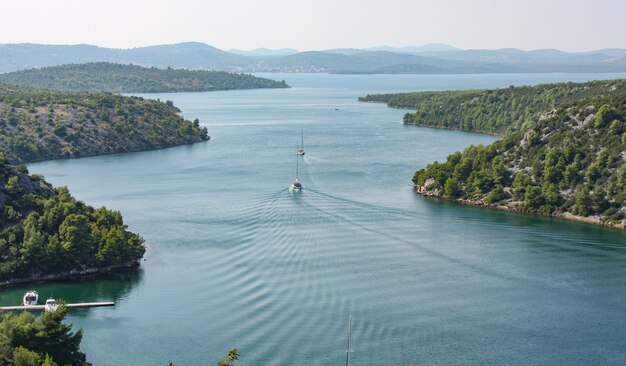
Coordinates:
(301,149)
(296,186)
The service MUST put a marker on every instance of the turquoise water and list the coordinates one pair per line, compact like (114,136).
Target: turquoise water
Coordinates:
(235,260)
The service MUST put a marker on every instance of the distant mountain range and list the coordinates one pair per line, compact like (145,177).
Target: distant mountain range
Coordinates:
(431,47)
(265,52)
(428,59)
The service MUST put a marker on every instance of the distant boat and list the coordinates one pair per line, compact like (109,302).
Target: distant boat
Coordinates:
(30,298)
(301,149)
(51,305)
(296,186)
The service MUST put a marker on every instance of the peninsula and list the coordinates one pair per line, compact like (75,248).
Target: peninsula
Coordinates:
(46,233)
(118,78)
(562,153)
(493,111)
(40,124)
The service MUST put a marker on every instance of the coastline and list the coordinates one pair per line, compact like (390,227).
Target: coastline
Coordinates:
(499,135)
(111,152)
(457,129)
(70,274)
(559,215)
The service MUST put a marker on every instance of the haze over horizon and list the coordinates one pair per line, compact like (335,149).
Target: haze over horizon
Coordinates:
(275,24)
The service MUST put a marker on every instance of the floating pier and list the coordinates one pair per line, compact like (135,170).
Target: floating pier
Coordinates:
(71,306)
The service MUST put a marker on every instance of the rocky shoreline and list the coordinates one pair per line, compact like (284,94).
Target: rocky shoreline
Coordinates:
(70,274)
(594,220)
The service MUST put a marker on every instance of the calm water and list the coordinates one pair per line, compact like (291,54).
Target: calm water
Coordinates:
(234,260)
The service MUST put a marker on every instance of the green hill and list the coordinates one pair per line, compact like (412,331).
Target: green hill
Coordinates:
(570,162)
(47,232)
(117,78)
(40,125)
(495,111)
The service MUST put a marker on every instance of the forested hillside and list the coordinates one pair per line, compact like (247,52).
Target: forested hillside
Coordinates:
(45,231)
(117,78)
(39,125)
(495,111)
(569,162)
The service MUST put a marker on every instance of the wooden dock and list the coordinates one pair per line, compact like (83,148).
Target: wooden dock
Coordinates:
(71,306)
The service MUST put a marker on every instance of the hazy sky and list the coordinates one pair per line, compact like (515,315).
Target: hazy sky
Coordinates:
(572,25)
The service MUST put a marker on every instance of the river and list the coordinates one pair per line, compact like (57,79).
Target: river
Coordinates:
(235,260)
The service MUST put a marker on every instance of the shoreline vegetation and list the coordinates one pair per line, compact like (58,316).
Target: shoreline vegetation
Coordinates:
(75,273)
(46,340)
(45,233)
(119,78)
(38,125)
(561,153)
(595,220)
(493,111)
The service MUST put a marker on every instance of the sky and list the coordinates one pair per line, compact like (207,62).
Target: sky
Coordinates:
(570,25)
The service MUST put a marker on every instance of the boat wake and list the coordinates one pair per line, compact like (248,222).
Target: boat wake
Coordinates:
(305,262)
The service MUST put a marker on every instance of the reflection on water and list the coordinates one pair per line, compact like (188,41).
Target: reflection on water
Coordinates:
(114,286)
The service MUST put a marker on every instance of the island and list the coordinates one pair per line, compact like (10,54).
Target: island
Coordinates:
(562,153)
(38,124)
(118,78)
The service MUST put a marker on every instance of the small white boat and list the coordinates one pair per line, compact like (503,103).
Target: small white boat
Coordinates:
(296,186)
(30,298)
(51,305)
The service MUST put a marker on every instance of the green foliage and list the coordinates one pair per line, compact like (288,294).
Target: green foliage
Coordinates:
(496,195)
(25,357)
(54,124)
(60,130)
(47,341)
(563,163)
(605,114)
(451,188)
(499,111)
(47,231)
(230,359)
(233,355)
(117,78)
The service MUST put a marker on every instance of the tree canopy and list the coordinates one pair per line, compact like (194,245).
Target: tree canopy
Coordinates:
(44,341)
(40,124)
(496,111)
(46,231)
(571,160)
(118,78)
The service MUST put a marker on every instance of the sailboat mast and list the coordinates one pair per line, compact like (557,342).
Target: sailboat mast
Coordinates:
(349,351)
(302,138)
(297,158)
